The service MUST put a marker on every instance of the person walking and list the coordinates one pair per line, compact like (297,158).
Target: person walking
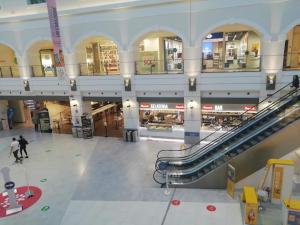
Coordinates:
(105,127)
(295,83)
(14,148)
(23,143)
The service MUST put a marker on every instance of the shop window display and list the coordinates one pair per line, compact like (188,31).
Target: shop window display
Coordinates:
(161,116)
(160,55)
(231,51)
(101,59)
(292,50)
(46,67)
(225,116)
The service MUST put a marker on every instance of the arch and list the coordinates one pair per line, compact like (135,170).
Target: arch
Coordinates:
(17,53)
(91,35)
(234,21)
(152,29)
(33,42)
(283,34)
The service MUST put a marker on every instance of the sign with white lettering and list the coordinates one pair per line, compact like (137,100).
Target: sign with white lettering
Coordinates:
(161,106)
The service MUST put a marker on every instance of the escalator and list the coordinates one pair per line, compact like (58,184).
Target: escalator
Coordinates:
(271,133)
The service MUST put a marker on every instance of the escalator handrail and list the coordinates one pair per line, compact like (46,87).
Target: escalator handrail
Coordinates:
(222,153)
(205,138)
(232,131)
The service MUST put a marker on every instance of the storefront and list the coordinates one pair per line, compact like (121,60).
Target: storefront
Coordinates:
(162,119)
(160,55)
(224,117)
(231,51)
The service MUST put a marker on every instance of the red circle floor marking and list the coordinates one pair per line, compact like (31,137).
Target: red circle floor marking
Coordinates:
(211,208)
(175,202)
(21,199)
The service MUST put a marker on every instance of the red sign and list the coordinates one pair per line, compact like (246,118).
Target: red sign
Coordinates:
(211,208)
(145,105)
(180,106)
(207,107)
(176,202)
(250,108)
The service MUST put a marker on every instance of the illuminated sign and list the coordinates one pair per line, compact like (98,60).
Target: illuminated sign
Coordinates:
(161,106)
(179,106)
(207,107)
(218,108)
(250,108)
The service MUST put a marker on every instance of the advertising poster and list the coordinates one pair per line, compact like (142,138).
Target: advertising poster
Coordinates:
(231,176)
(277,182)
(293,218)
(56,38)
(251,214)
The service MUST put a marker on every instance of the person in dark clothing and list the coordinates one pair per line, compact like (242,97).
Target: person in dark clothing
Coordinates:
(295,83)
(23,142)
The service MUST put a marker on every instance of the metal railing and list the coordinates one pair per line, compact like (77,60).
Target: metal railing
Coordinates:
(104,69)
(149,67)
(291,61)
(241,63)
(9,71)
(43,71)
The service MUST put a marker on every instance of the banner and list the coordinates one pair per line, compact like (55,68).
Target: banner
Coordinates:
(277,182)
(56,38)
(251,214)
(231,176)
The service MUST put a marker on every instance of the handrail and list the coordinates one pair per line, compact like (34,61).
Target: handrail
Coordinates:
(203,150)
(230,131)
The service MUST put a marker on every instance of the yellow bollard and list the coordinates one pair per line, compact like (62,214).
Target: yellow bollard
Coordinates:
(182,147)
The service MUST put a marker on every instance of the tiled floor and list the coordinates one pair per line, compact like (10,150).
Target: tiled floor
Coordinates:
(108,182)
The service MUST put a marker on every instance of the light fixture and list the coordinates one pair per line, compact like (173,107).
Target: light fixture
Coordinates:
(271,82)
(128,103)
(127,84)
(26,85)
(73,85)
(192,84)
(191,104)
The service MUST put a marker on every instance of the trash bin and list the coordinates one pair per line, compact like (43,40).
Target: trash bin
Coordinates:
(79,132)
(74,132)
(125,138)
(129,135)
(135,136)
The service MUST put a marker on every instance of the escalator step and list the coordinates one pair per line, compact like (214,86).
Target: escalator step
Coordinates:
(240,150)
(260,137)
(232,154)
(253,142)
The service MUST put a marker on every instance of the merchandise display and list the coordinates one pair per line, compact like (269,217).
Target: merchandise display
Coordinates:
(161,117)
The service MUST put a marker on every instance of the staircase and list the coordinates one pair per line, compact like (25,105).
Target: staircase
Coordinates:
(271,133)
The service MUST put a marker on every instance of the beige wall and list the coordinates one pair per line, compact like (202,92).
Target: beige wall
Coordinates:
(7,56)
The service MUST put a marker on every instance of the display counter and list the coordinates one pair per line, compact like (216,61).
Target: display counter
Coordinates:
(175,132)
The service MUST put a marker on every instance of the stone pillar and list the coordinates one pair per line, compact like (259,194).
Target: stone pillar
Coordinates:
(24,67)
(18,106)
(192,99)
(129,99)
(272,63)
(78,108)
(71,66)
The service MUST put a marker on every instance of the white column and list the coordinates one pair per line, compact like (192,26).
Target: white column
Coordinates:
(130,111)
(127,63)
(192,61)
(272,63)
(24,67)
(78,108)
(192,99)
(192,117)
(129,99)
(71,66)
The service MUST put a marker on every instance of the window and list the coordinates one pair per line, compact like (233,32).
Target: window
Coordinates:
(31,2)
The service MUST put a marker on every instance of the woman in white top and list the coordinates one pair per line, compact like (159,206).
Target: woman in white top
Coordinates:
(14,148)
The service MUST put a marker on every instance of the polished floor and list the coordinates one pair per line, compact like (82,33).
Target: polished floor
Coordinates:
(108,182)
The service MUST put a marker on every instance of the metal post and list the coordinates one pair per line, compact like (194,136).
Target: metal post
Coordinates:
(11,72)
(167,190)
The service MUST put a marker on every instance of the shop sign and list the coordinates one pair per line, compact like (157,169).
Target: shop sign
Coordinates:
(218,107)
(159,106)
(207,107)
(250,108)
(179,106)
(145,106)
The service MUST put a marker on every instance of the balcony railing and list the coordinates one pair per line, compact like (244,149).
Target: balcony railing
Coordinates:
(151,67)
(9,71)
(291,61)
(43,71)
(89,69)
(245,63)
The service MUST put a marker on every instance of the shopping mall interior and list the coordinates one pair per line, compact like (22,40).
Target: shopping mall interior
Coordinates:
(149,112)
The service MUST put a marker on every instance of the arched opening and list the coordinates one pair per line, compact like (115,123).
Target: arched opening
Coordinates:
(159,53)
(231,48)
(8,62)
(292,50)
(97,56)
(40,57)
